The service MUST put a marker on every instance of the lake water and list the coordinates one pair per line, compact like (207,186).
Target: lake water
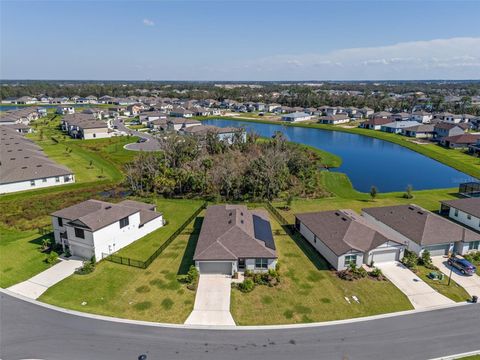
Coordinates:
(366,161)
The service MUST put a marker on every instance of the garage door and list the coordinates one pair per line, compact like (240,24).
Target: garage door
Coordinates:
(385,256)
(217,267)
(438,249)
(81,251)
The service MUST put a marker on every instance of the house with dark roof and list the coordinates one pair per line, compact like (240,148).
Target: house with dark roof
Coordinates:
(226,134)
(24,166)
(443,130)
(235,239)
(420,131)
(296,117)
(343,237)
(462,141)
(421,229)
(465,211)
(374,123)
(334,119)
(98,228)
(85,126)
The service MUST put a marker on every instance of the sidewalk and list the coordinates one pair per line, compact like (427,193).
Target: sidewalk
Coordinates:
(37,285)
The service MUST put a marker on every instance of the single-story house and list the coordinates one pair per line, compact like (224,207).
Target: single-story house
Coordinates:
(421,116)
(296,117)
(375,123)
(334,119)
(465,211)
(64,109)
(181,123)
(178,112)
(224,134)
(423,131)
(145,117)
(382,114)
(462,141)
(85,126)
(98,228)
(343,237)
(234,239)
(397,127)
(401,116)
(421,229)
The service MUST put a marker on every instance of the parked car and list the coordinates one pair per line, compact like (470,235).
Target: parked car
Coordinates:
(465,267)
(141,140)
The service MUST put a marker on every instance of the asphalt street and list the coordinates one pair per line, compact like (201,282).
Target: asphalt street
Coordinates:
(28,330)
(150,145)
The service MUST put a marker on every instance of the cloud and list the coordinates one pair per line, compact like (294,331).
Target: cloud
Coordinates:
(148,22)
(454,58)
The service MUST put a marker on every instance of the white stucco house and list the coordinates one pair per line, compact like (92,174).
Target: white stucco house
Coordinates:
(296,117)
(235,239)
(343,237)
(467,212)
(421,229)
(98,228)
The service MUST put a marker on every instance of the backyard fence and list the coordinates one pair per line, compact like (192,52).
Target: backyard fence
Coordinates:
(145,264)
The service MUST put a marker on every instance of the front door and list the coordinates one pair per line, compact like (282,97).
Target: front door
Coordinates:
(241,264)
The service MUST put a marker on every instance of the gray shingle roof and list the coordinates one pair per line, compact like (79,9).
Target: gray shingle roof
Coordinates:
(229,232)
(469,205)
(420,225)
(343,230)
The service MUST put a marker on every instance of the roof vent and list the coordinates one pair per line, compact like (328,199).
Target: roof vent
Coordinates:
(229,221)
(12,158)
(411,208)
(344,219)
(337,213)
(24,167)
(241,213)
(230,214)
(420,212)
(108,207)
(39,165)
(241,221)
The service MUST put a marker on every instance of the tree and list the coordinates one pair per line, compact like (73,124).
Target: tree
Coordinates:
(373,192)
(408,192)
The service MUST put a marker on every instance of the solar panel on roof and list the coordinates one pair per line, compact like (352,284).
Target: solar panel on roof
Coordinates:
(263,231)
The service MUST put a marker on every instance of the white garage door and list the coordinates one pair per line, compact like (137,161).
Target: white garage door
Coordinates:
(385,256)
(216,267)
(80,251)
(438,250)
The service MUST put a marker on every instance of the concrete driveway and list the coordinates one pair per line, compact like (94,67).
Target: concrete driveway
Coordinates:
(420,294)
(212,301)
(37,285)
(471,284)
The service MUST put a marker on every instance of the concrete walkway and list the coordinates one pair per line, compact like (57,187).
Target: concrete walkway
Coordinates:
(37,285)
(420,294)
(471,284)
(212,301)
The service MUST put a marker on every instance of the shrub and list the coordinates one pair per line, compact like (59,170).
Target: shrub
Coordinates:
(46,243)
(192,274)
(88,267)
(425,259)
(52,258)
(410,259)
(246,286)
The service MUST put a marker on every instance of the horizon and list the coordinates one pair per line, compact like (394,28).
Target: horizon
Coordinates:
(227,41)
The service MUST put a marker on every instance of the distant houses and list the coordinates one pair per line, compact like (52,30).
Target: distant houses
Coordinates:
(296,117)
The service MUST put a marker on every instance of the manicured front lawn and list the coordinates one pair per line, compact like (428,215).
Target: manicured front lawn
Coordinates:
(310,292)
(175,212)
(20,257)
(452,291)
(116,290)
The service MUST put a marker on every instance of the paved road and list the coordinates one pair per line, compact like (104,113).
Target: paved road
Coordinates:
(150,145)
(28,330)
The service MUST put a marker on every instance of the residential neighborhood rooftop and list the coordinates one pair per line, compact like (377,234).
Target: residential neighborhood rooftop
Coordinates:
(468,205)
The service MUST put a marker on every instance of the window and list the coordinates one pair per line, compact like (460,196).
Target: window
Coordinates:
(60,222)
(315,239)
(261,263)
(123,222)
(350,259)
(44,180)
(474,245)
(32,182)
(456,212)
(66,178)
(79,233)
(57,179)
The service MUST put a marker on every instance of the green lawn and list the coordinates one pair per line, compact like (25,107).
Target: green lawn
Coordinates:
(175,212)
(452,291)
(473,357)
(310,292)
(122,291)
(20,257)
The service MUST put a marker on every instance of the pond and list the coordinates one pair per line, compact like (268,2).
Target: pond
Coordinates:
(367,161)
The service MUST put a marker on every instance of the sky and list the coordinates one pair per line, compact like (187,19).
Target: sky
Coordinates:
(239,40)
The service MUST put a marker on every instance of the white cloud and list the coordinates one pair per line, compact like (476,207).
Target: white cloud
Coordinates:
(148,22)
(455,58)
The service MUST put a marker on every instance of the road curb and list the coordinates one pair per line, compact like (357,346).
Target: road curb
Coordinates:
(228,327)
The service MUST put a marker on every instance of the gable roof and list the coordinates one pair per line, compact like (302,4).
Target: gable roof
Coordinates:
(344,230)
(420,225)
(230,232)
(462,139)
